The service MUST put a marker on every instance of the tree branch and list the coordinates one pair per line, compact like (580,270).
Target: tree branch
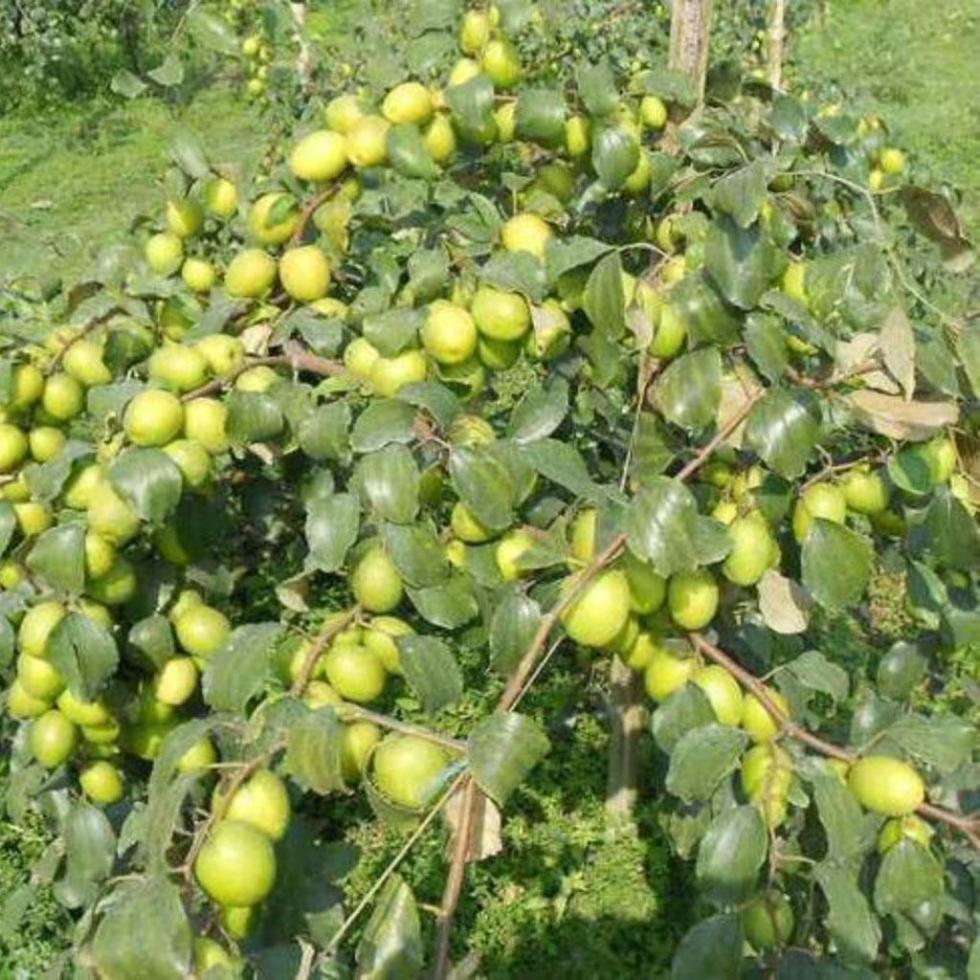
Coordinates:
(319,645)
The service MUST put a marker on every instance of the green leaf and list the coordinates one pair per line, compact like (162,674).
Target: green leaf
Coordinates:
(766,343)
(741,262)
(187,152)
(449,605)
(84,653)
(615,155)
(502,749)
(169,72)
(382,422)
(900,670)
(686,709)
(471,105)
(313,751)
(850,921)
(393,331)
(126,84)
(58,556)
(388,481)
(909,471)
(564,254)
(153,639)
(144,933)
(431,671)
(732,851)
(540,116)
(712,948)
(484,486)
(813,670)
(837,564)
(212,31)
(688,393)
(149,480)
(702,759)
(332,526)
(512,629)
(8,524)
(951,532)
(840,814)
(322,434)
(519,272)
(408,153)
(597,87)
(603,299)
(741,193)
(968,351)
(563,464)
(240,669)
(418,554)
(90,844)
(391,944)
(943,742)
(783,428)
(539,412)
(908,876)
(253,416)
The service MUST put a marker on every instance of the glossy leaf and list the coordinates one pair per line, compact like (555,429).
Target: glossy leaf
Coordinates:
(239,670)
(502,749)
(84,653)
(149,480)
(702,758)
(431,671)
(837,564)
(732,853)
(58,556)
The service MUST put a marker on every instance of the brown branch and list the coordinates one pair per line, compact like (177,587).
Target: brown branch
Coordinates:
(968,826)
(295,358)
(706,451)
(309,209)
(355,711)
(319,645)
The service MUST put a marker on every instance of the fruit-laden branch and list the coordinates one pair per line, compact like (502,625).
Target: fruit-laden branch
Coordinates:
(968,826)
(706,451)
(356,712)
(319,645)
(310,208)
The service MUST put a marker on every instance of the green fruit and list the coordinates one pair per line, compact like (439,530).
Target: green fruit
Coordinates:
(184,218)
(205,422)
(22,705)
(272,219)
(501,63)
(342,112)
(319,694)
(692,598)
(117,586)
(821,500)
(526,233)
(390,374)
(671,332)
(202,630)
(440,139)
(81,486)
(768,921)
(53,739)
(601,610)
(498,355)
(321,156)
(578,136)
(793,283)
(63,397)
(475,32)
(466,527)
(258,379)
(221,197)
(891,160)
(110,516)
(500,315)
(886,785)
(102,783)
(408,103)
(381,638)
(375,582)
(45,443)
(360,356)
(507,554)
(407,769)
(647,589)
(751,554)
(756,719)
(941,458)
(552,332)
(250,274)
(305,273)
(225,355)
(39,679)
(83,361)
(449,334)
(237,864)
(653,113)
(198,758)
(462,72)
(354,672)
(86,713)
(722,690)
(33,518)
(367,142)
(261,801)
(36,626)
(176,681)
(865,492)
(164,253)
(766,777)
(198,274)
(582,535)
(192,460)
(237,920)
(911,828)
(14,447)
(153,418)
(211,955)
(180,367)
(357,744)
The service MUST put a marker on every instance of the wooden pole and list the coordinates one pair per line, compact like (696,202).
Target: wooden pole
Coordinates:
(690,35)
(774,47)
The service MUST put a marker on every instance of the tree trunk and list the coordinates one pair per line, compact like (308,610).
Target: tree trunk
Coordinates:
(774,48)
(303,60)
(626,713)
(690,34)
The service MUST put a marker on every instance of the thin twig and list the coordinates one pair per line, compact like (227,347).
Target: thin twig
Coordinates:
(454,880)
(720,436)
(355,711)
(319,645)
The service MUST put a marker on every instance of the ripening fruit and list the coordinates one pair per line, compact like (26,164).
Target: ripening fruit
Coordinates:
(666,672)
(526,233)
(757,721)
(507,554)
(33,517)
(83,361)
(500,315)
(102,783)
(582,535)
(250,274)
(410,102)
(115,587)
(768,921)
(390,374)
(221,197)
(26,386)
(22,705)
(381,638)
(184,218)
(653,113)
(354,672)
(273,218)
(639,180)
(941,458)
(375,582)
(440,139)
(262,801)
(205,420)
(198,274)
(466,527)
(192,460)
(578,136)
(53,739)
(237,864)
(164,253)
(449,333)
(505,118)
(766,776)
(39,679)
(45,442)
(692,598)
(722,690)
(63,397)
(36,626)
(176,681)
(178,366)
(342,112)
(367,142)
(891,160)
(475,32)
(259,379)
(464,70)
(793,283)
(501,63)
(14,447)
(407,768)
(153,418)
(321,156)
(552,332)
(752,550)
(209,955)
(911,828)
(866,492)
(360,356)
(886,785)
(305,273)
(821,500)
(80,712)
(199,757)
(237,920)
(601,610)
(357,743)
(202,630)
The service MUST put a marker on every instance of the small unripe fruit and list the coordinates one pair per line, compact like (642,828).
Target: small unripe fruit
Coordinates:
(202,630)
(886,785)
(100,555)
(367,142)
(449,333)
(273,219)
(354,672)
(375,582)
(63,397)
(756,719)
(53,739)
(237,864)
(500,315)
(305,273)
(250,274)
(822,500)
(262,801)
(110,516)
(36,626)
(184,218)
(410,102)
(501,63)
(225,355)
(390,374)
(865,492)
(464,70)
(39,679)
(891,160)
(102,783)
(221,197)
(440,139)
(911,828)
(768,921)
(45,442)
(153,418)
(578,136)
(357,744)
(666,672)
(653,113)
(192,460)
(601,610)
(83,361)
(382,639)
(722,690)
(164,253)
(475,32)
(466,527)
(199,757)
(205,420)
(14,447)
(198,274)
(692,598)
(360,356)
(342,113)
(407,768)
(22,705)
(751,553)
(176,681)
(180,367)
(526,233)
(512,546)
(321,156)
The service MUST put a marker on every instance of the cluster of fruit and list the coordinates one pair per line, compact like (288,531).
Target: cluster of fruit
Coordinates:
(245,17)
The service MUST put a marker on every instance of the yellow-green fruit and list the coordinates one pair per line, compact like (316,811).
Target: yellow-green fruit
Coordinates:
(670,334)
(508,553)
(582,535)
(501,63)
(390,374)
(578,136)
(891,160)
(221,197)
(601,610)
(410,102)
(237,920)
(526,233)
(83,361)
(793,283)
(766,776)
(367,142)
(192,460)
(12,573)
(321,156)
(53,739)
(357,744)
(464,70)
(14,447)
(865,492)
(211,955)
(475,32)
(375,582)
(500,315)
(822,500)
(886,785)
(272,219)
(342,112)
(319,694)
(407,769)
(82,485)
(178,366)
(449,333)
(505,118)
(653,113)
(360,356)
(83,712)
(647,589)
(102,783)
(36,626)
(692,598)
(941,458)
(63,397)
(153,418)
(198,274)
(305,273)
(202,630)
(199,757)
(262,801)
(722,690)
(639,180)
(354,672)
(237,864)
(756,719)
(250,274)
(100,555)
(440,139)
(334,308)
(205,420)
(911,828)
(45,443)
(164,253)
(260,379)
(39,678)
(176,681)
(381,638)
(768,921)
(184,218)
(22,705)
(26,386)
(751,553)
(466,527)
(33,517)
